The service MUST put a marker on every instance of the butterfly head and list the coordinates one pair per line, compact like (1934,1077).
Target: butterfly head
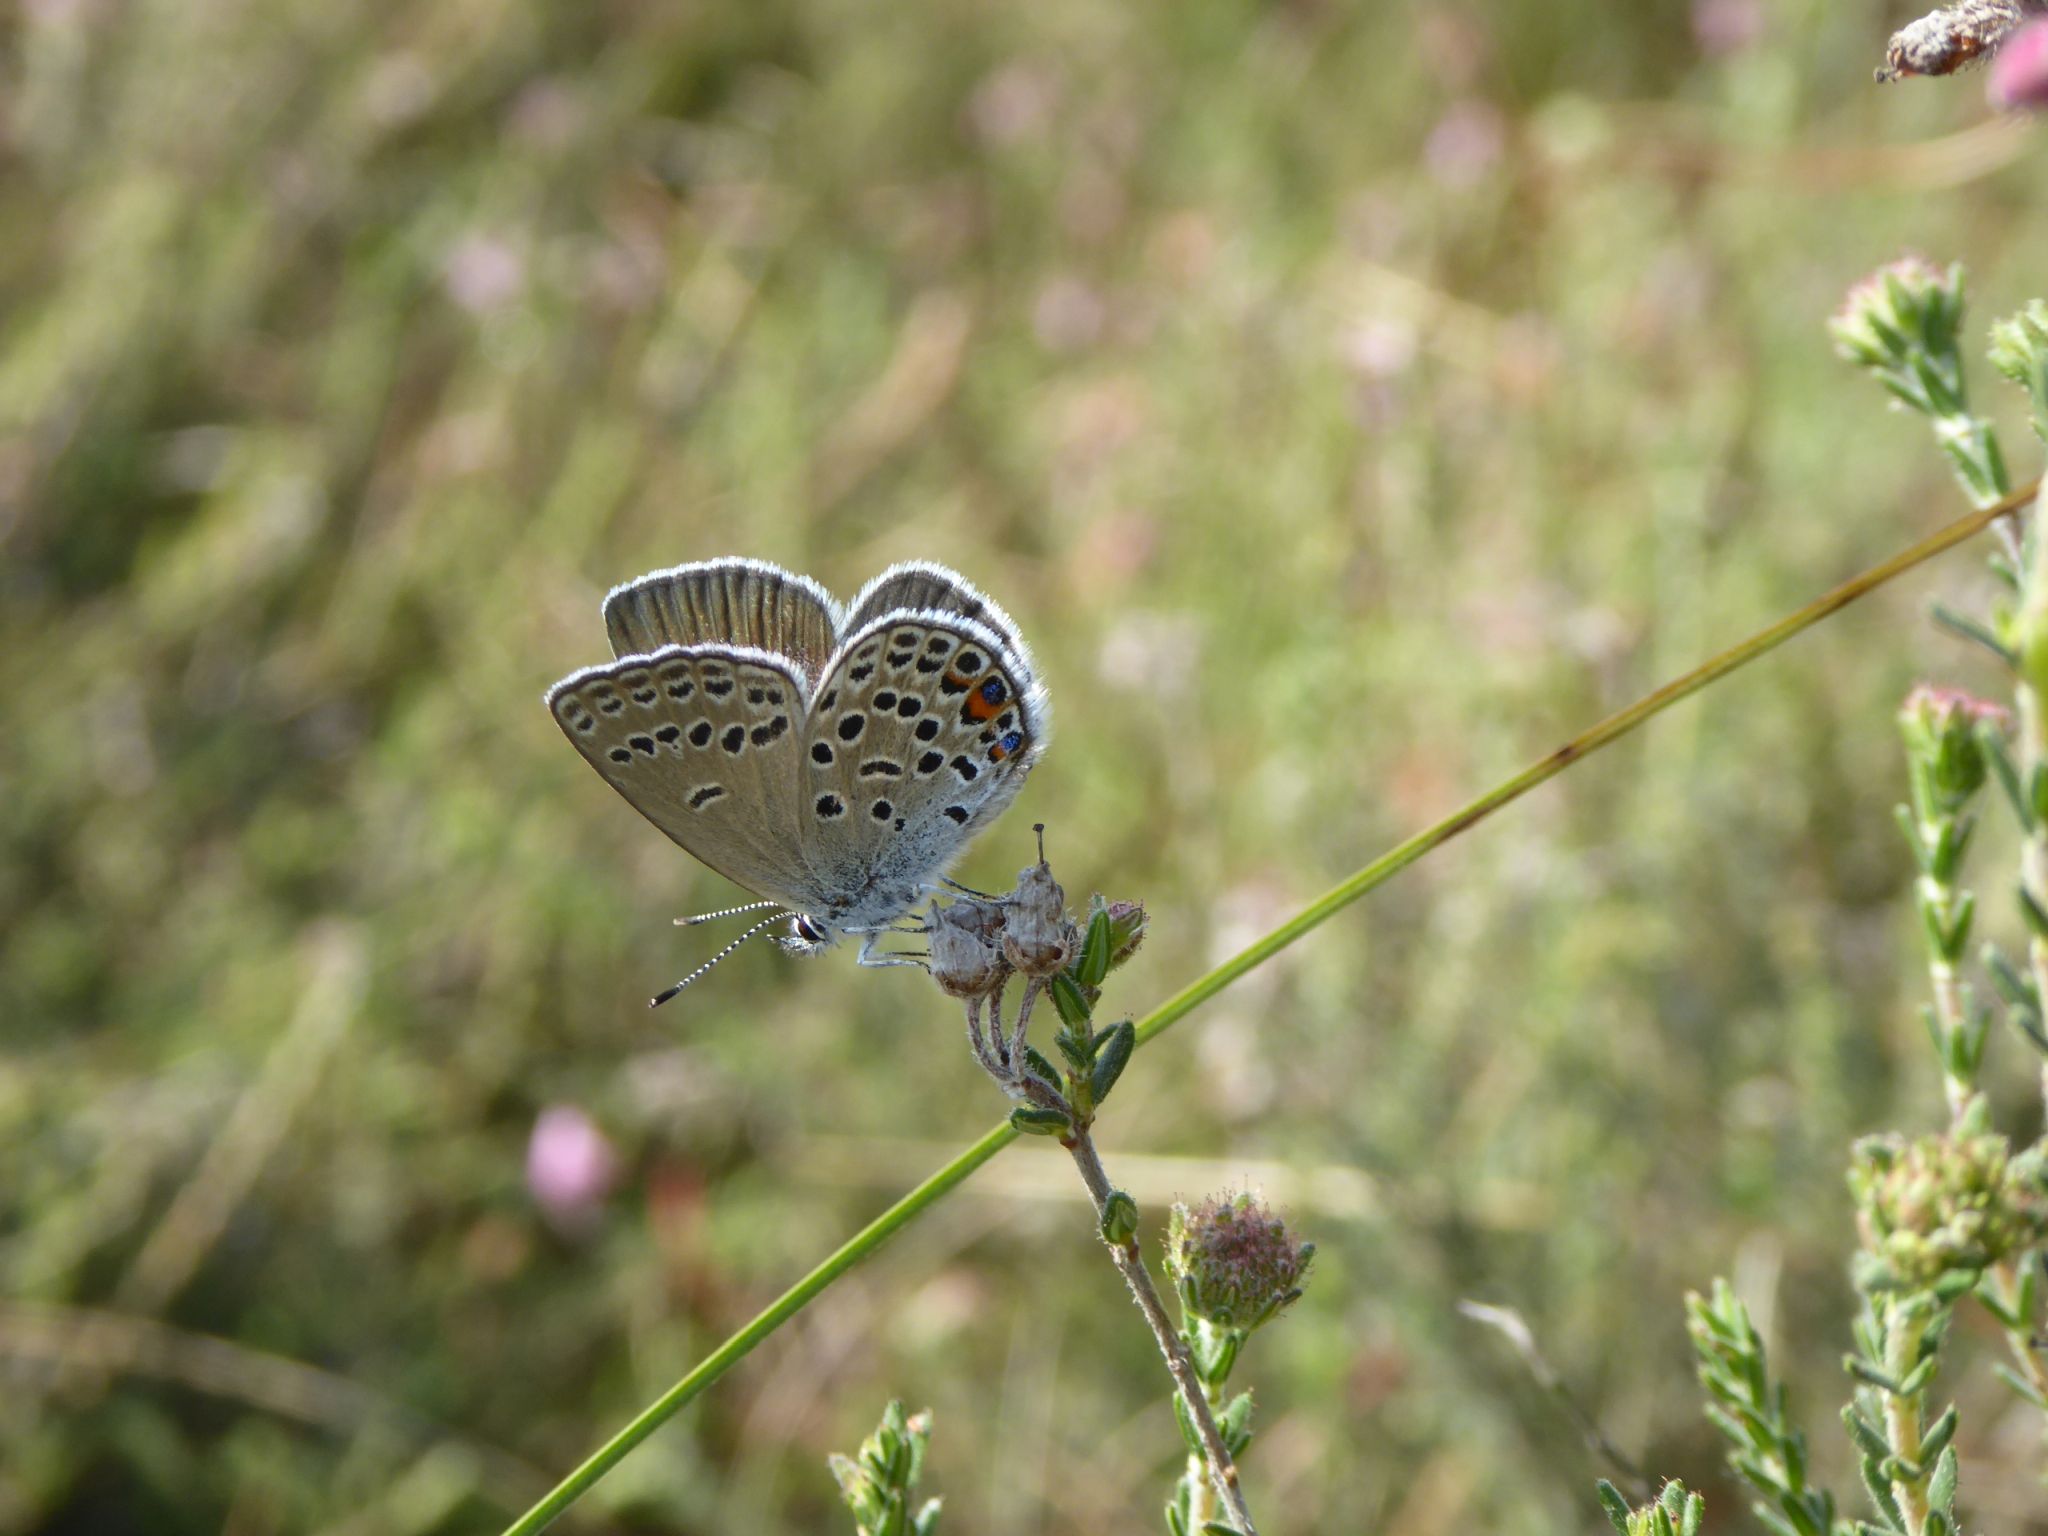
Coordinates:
(807,935)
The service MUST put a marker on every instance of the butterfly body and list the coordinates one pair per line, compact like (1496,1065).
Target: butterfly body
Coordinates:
(833,759)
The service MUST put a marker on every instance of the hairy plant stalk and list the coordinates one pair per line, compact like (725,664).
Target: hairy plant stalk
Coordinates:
(2024,1343)
(1130,1263)
(1902,1414)
(1202,1507)
(1950,1012)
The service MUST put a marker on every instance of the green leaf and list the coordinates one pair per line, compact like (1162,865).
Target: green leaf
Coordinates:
(2020,1384)
(1033,1121)
(1937,1438)
(1093,965)
(1072,1003)
(1616,1506)
(1235,1424)
(1111,1059)
(1969,629)
(1864,1433)
(1941,1488)
(2003,769)
(1188,1433)
(1049,1074)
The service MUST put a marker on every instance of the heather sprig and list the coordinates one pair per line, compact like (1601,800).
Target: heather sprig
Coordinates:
(1766,1448)
(879,1482)
(1946,733)
(1674,1512)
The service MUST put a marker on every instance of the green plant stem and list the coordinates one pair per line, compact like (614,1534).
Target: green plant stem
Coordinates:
(1951,1016)
(2005,1275)
(2031,684)
(1192,996)
(1130,1263)
(1902,1412)
(1200,1510)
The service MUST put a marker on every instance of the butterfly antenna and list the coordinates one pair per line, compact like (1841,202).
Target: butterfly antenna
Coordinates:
(1039,828)
(657,1001)
(707,917)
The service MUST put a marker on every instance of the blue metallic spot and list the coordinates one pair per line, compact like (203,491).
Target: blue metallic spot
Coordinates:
(1012,742)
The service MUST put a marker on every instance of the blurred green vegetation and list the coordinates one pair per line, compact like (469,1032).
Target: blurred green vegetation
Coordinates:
(1348,401)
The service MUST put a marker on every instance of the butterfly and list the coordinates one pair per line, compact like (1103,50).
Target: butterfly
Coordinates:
(834,760)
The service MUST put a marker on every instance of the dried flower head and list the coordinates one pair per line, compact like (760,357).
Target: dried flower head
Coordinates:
(964,940)
(1037,938)
(1953,37)
(1232,1261)
(1943,1207)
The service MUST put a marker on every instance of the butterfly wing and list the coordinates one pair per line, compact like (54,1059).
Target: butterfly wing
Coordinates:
(919,586)
(725,602)
(703,741)
(921,730)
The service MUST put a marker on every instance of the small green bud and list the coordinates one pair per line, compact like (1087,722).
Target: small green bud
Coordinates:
(1943,729)
(1906,307)
(2019,350)
(1127,923)
(1119,1218)
(1232,1261)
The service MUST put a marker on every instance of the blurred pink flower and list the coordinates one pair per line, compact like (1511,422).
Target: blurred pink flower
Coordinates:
(1726,26)
(483,273)
(1465,144)
(570,1166)
(2019,73)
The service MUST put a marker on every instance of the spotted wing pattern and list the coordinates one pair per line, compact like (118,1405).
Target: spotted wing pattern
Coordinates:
(922,729)
(918,586)
(725,602)
(704,741)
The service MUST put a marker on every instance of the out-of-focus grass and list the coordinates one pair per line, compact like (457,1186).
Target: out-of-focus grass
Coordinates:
(1347,401)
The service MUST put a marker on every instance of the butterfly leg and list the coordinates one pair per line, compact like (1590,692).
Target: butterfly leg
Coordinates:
(873,956)
(946,885)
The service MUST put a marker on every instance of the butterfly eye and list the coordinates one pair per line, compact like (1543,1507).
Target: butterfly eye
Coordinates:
(807,930)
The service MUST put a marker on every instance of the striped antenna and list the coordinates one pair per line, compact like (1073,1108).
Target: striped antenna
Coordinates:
(657,1001)
(707,917)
